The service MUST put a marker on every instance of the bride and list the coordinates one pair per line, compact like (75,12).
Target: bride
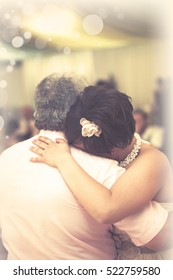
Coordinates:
(101,123)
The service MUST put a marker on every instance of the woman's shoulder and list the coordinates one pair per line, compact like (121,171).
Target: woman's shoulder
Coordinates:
(152,152)
(151,158)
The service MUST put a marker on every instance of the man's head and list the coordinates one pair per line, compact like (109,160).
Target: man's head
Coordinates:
(53,97)
(108,109)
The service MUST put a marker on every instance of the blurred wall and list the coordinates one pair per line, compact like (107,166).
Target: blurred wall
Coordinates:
(135,68)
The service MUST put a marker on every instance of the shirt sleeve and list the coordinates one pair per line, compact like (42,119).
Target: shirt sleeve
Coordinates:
(113,173)
(145,225)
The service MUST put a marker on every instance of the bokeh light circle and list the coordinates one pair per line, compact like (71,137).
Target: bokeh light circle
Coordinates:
(3,83)
(67,50)
(17,42)
(40,43)
(10,68)
(12,62)
(27,35)
(93,24)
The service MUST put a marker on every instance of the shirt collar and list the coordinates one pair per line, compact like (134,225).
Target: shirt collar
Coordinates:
(53,135)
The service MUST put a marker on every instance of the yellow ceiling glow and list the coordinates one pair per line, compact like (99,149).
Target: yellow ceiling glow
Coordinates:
(53,21)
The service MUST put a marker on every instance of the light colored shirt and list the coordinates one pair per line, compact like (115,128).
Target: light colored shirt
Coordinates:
(143,226)
(41,219)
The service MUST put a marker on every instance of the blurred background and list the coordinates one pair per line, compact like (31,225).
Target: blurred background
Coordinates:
(122,42)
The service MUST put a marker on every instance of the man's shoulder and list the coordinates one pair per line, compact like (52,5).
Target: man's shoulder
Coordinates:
(17,148)
(98,166)
(79,154)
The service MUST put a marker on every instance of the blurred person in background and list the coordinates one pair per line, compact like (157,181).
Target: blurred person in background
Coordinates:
(27,127)
(109,83)
(148,132)
(161,113)
(11,134)
(160,102)
(19,126)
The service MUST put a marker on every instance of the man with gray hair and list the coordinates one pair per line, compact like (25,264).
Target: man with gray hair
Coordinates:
(53,97)
(39,216)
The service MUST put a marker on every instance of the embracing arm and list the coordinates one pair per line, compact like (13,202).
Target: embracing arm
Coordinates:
(130,193)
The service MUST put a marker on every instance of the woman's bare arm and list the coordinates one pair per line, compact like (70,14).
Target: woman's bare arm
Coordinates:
(130,193)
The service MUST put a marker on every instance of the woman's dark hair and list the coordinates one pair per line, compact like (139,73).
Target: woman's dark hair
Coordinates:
(110,110)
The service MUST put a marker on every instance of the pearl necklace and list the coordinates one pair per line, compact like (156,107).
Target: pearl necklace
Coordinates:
(134,153)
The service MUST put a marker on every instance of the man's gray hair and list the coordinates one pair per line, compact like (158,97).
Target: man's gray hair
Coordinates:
(54,96)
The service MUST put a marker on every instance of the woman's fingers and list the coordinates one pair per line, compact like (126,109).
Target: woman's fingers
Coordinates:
(36,159)
(45,140)
(40,144)
(37,150)
(48,151)
(60,140)
(47,156)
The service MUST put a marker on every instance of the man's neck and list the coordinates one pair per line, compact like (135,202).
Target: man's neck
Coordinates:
(52,134)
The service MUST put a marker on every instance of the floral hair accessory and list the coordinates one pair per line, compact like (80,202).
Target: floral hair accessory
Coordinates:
(89,128)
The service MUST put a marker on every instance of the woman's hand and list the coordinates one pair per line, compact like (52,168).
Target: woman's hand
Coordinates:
(49,152)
